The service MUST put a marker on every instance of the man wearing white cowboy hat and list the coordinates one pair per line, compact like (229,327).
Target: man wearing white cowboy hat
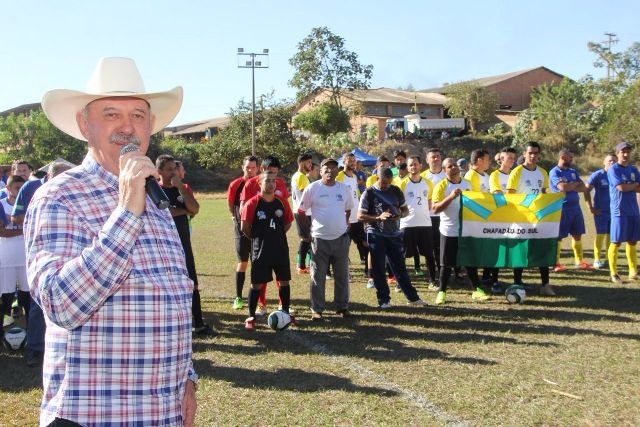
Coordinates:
(106,265)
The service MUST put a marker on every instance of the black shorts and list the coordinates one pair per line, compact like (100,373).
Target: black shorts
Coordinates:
(356,233)
(243,244)
(304,229)
(261,273)
(418,239)
(448,251)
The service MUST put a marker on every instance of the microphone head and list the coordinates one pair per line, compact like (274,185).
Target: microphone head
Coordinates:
(128,149)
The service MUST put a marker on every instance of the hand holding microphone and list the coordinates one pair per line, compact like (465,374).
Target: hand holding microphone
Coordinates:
(134,167)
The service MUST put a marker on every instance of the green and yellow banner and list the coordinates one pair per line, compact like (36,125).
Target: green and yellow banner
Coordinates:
(509,230)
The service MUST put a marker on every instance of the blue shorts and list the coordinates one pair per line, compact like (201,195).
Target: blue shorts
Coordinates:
(625,229)
(571,223)
(603,223)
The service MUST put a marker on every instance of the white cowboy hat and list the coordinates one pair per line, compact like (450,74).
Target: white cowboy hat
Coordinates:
(112,77)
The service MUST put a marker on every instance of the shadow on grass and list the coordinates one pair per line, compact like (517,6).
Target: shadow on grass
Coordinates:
(284,379)
(16,376)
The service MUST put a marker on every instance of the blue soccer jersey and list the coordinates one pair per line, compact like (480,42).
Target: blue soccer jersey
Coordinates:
(600,183)
(557,176)
(623,203)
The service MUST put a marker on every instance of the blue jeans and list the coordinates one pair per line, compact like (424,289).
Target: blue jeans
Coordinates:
(36,329)
(391,249)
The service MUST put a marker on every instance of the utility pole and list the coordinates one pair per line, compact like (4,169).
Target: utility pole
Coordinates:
(611,40)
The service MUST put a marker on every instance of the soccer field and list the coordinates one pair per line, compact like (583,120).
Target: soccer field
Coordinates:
(572,360)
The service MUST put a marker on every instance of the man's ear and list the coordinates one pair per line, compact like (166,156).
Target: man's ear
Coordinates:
(83,125)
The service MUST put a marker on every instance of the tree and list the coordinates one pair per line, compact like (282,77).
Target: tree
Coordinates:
(623,66)
(323,119)
(322,62)
(562,113)
(471,101)
(623,120)
(33,138)
(273,135)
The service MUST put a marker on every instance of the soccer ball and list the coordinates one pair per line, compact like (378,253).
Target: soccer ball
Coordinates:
(15,338)
(515,294)
(279,320)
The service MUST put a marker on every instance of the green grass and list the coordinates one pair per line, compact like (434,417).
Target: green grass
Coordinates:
(489,364)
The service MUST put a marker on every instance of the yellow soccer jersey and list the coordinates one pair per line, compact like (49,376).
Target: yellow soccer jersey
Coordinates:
(478,181)
(352,182)
(450,217)
(299,182)
(374,177)
(525,181)
(498,181)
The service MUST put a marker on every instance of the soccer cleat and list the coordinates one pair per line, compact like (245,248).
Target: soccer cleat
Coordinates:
(633,276)
(479,295)
(417,303)
(547,290)
(559,268)
(392,281)
(261,310)
(432,286)
(496,289)
(250,324)
(344,313)
(7,321)
(205,330)
(370,284)
(303,270)
(616,279)
(584,266)
(385,305)
(238,304)
(441,298)
(599,264)
(419,272)
(316,316)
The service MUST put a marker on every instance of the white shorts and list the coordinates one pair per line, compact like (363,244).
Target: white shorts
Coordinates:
(12,277)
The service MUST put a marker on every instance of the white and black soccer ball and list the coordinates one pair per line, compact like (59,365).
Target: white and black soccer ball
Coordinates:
(15,338)
(279,320)
(515,294)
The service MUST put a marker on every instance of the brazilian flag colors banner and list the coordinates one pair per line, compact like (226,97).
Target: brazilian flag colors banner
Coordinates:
(509,230)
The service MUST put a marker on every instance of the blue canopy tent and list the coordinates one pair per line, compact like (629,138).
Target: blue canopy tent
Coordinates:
(364,158)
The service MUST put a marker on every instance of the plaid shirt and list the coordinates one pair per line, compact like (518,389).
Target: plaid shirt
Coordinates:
(117,301)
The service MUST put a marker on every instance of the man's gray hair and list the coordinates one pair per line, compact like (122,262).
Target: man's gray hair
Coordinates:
(56,168)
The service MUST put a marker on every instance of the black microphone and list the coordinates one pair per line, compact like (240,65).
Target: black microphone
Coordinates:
(154,191)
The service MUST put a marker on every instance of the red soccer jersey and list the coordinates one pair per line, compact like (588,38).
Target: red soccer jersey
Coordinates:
(252,188)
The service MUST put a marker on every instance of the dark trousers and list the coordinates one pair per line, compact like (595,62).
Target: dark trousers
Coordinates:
(390,248)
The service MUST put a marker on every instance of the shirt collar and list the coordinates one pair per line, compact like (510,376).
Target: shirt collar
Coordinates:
(94,168)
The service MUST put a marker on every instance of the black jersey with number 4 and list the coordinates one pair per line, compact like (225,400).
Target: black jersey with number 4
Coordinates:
(268,235)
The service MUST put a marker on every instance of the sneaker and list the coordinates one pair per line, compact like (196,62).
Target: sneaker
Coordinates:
(385,305)
(441,298)
(397,288)
(633,276)
(261,310)
(238,304)
(392,281)
(432,286)
(479,295)
(616,279)
(344,313)
(599,264)
(250,324)
(584,266)
(419,272)
(417,303)
(547,290)
(496,288)
(559,268)
(370,284)
(316,316)
(303,270)
(204,330)
(8,321)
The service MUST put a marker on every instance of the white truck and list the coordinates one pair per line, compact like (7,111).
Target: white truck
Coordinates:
(417,126)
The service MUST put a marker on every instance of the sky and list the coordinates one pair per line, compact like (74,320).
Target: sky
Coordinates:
(424,43)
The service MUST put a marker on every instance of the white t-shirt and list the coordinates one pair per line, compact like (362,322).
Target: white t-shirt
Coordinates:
(328,204)
(417,196)
(435,179)
(450,217)
(352,182)
(12,253)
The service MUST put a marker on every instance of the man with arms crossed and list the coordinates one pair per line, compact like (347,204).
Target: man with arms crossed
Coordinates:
(600,208)
(107,267)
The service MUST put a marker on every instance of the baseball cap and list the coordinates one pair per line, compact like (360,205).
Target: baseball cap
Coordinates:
(327,161)
(623,145)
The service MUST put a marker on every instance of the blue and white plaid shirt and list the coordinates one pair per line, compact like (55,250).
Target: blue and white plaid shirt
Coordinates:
(117,301)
